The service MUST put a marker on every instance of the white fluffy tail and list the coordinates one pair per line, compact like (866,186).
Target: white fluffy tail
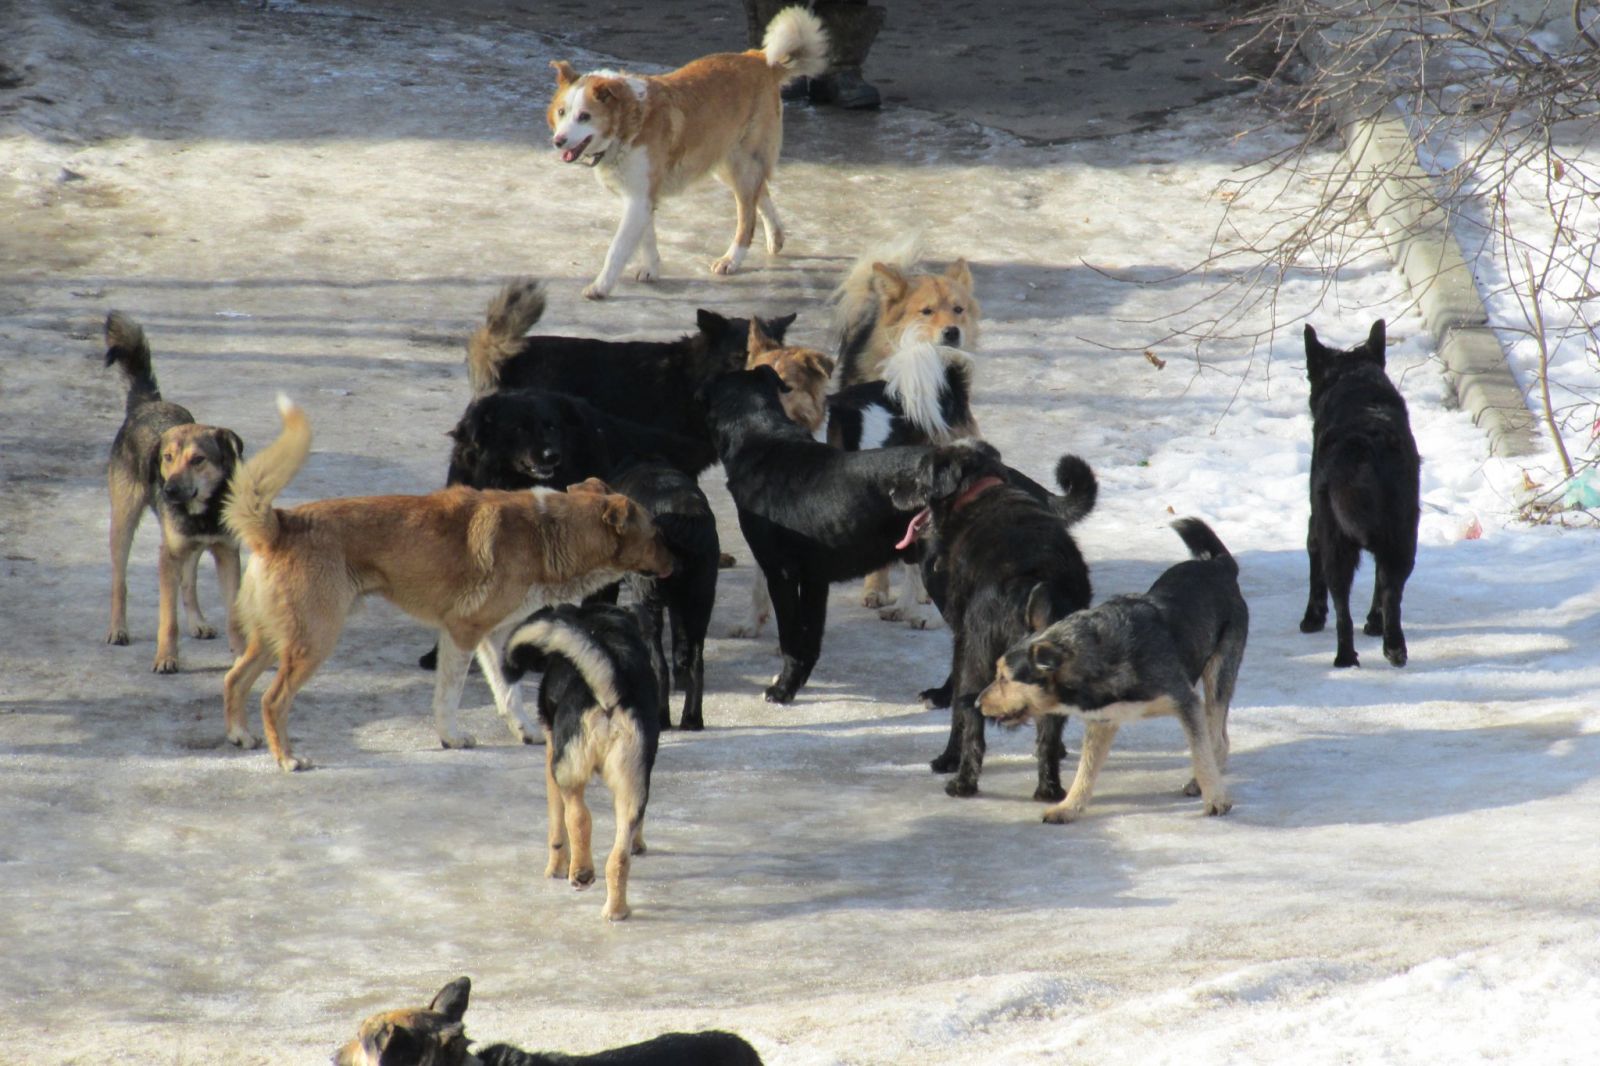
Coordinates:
(914,376)
(552,635)
(796,44)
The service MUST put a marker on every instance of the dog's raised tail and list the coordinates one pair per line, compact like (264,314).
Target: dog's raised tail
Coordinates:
(257,481)
(127,349)
(513,311)
(796,45)
(551,631)
(1079,489)
(1205,544)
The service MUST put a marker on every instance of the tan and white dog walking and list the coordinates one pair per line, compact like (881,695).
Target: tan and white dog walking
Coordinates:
(650,136)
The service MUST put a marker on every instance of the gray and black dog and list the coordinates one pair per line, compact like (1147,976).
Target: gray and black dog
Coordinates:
(164,460)
(1138,656)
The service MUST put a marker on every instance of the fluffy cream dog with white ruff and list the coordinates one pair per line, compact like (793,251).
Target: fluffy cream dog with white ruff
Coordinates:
(649,136)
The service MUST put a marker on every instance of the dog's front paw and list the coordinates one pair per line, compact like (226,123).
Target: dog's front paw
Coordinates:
(917,616)
(1217,807)
(202,631)
(243,738)
(1373,626)
(1346,658)
(1192,789)
(1060,816)
(1050,793)
(935,699)
(647,273)
(293,763)
(752,628)
(873,599)
(960,787)
(725,266)
(581,879)
(777,693)
(595,291)
(1313,623)
(557,864)
(944,764)
(458,740)
(1395,654)
(615,912)
(118,636)
(165,664)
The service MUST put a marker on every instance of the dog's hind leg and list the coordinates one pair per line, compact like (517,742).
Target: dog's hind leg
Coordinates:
(875,591)
(188,582)
(555,806)
(647,612)
(295,668)
(1202,753)
(760,608)
(770,223)
(580,868)
(1048,751)
(1392,575)
(1097,738)
(746,177)
(802,609)
(650,268)
(1340,557)
(507,694)
(1316,615)
(972,673)
(448,682)
(127,507)
(242,676)
(623,774)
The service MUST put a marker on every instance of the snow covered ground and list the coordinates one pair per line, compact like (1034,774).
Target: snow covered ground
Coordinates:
(291,199)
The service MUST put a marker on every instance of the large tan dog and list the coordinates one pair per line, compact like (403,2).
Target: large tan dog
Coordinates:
(651,136)
(889,299)
(162,459)
(469,562)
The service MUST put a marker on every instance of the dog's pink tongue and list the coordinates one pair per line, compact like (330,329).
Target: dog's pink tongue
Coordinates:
(569,155)
(915,526)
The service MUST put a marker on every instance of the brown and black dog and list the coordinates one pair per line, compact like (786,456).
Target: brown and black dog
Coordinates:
(889,299)
(164,460)
(435,1035)
(470,562)
(804,371)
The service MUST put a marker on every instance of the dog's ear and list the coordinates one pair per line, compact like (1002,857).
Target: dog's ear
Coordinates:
(1044,656)
(758,343)
(890,283)
(713,325)
(766,372)
(1313,344)
(452,999)
(606,90)
(1040,610)
(777,328)
(565,74)
(231,443)
(941,473)
(619,512)
(1377,342)
(397,1046)
(960,273)
(819,363)
(592,486)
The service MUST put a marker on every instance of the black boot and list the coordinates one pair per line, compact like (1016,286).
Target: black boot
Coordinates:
(847,89)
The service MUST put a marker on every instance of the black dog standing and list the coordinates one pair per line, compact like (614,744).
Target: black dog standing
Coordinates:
(1365,492)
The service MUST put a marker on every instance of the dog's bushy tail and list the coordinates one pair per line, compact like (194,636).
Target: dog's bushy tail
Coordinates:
(257,481)
(1205,544)
(1079,489)
(127,349)
(513,311)
(554,631)
(855,301)
(796,45)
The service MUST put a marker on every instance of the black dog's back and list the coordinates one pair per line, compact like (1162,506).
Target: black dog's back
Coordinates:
(714,1048)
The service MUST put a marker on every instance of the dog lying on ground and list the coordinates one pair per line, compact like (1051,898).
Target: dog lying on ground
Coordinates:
(1137,657)
(887,300)
(650,136)
(465,561)
(683,517)
(435,1035)
(811,514)
(164,460)
(653,383)
(531,438)
(600,711)
(1365,492)
(1009,566)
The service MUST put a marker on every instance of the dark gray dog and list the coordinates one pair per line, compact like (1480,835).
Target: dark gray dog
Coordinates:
(164,460)
(1137,657)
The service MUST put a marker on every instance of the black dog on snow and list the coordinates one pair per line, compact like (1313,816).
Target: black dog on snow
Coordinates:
(812,514)
(1136,657)
(1004,565)
(683,517)
(1365,492)
(598,703)
(655,383)
(435,1035)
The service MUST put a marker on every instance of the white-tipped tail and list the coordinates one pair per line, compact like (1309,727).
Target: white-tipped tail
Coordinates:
(796,44)
(555,637)
(257,481)
(915,377)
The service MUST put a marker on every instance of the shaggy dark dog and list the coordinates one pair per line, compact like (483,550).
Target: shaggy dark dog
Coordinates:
(1005,565)
(1365,492)
(812,514)
(435,1035)
(684,519)
(1136,657)
(655,383)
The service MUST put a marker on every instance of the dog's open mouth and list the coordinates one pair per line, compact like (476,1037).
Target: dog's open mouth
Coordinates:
(573,154)
(540,472)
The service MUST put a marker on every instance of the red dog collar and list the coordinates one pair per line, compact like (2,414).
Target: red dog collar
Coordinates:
(920,520)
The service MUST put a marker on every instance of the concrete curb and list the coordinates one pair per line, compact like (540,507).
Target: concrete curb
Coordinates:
(1428,256)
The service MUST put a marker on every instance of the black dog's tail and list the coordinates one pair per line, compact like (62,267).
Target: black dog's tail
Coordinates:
(127,349)
(515,310)
(552,631)
(1355,492)
(1204,544)
(1079,489)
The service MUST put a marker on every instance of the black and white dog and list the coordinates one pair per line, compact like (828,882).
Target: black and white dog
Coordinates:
(654,383)
(599,704)
(1136,657)
(1004,564)
(812,514)
(1365,492)
(683,517)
